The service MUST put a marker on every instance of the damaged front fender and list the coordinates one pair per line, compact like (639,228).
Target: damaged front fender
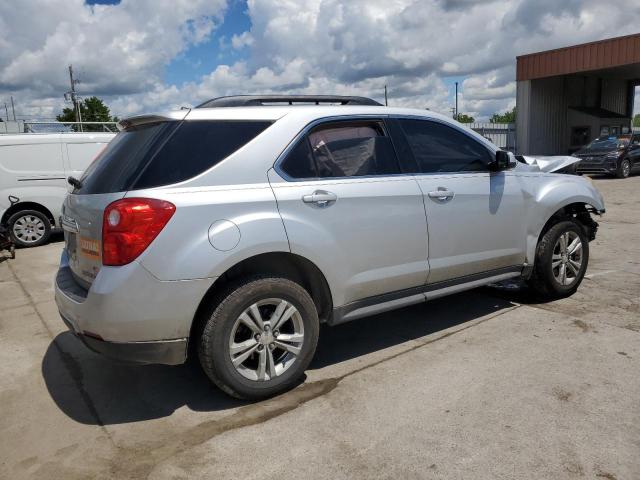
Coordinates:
(546,164)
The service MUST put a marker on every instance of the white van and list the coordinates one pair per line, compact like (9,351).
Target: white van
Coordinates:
(33,179)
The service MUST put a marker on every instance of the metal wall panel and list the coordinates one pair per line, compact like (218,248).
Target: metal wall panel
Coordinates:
(523,102)
(614,95)
(548,117)
(608,53)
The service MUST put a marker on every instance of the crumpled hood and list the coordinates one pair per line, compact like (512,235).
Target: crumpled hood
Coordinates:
(544,163)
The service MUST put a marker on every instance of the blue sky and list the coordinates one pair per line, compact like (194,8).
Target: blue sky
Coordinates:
(203,58)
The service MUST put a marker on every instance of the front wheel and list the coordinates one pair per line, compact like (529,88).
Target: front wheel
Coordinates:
(624,168)
(260,338)
(561,261)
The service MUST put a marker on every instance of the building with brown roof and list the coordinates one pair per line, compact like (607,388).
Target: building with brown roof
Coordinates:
(568,96)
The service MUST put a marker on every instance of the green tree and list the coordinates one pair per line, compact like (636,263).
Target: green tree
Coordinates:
(464,118)
(507,117)
(92,109)
(636,120)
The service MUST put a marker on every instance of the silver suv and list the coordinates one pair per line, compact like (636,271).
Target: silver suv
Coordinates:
(232,230)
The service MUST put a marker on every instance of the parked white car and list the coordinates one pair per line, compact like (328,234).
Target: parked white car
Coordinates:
(33,179)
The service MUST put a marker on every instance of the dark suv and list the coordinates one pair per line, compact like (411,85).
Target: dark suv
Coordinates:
(616,155)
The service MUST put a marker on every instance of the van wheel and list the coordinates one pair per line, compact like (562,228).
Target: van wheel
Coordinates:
(259,338)
(561,261)
(29,228)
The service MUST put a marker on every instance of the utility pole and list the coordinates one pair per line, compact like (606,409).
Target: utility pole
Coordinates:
(6,110)
(456,117)
(74,98)
(386,103)
(13,109)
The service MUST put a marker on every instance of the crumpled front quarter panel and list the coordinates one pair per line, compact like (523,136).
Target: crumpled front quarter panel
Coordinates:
(551,192)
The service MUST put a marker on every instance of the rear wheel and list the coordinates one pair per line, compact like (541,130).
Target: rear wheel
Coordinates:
(561,261)
(259,338)
(29,228)
(624,168)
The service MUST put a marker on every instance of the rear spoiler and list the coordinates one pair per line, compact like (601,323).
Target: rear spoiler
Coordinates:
(138,120)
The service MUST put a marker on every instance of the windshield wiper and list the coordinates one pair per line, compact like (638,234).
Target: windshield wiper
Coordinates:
(74,182)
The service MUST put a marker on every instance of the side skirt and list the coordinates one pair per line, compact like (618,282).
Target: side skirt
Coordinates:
(403,298)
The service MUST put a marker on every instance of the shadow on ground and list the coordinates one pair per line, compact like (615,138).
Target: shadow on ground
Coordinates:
(93,390)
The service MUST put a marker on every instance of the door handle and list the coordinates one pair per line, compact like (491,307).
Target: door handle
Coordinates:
(441,194)
(321,198)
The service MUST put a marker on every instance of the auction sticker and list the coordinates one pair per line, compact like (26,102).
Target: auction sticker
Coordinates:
(90,248)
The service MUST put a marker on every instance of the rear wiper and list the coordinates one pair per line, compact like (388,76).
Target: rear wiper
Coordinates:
(74,182)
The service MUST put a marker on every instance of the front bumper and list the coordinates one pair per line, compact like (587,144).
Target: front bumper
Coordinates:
(601,165)
(128,314)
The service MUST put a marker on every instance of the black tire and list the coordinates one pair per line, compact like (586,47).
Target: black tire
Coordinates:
(624,168)
(21,242)
(542,282)
(213,344)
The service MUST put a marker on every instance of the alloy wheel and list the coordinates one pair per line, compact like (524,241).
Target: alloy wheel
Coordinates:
(29,229)
(266,339)
(626,168)
(566,260)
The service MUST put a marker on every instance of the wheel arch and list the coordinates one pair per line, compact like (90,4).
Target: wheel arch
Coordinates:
(286,264)
(20,206)
(579,210)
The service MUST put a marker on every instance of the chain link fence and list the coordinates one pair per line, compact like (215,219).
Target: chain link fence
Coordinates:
(28,126)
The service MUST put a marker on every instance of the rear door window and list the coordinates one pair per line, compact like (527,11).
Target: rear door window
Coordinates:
(441,148)
(299,163)
(343,149)
(154,155)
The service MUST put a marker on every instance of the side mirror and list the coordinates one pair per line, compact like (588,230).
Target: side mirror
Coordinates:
(502,162)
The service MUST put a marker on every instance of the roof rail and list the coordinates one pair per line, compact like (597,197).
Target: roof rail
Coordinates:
(261,100)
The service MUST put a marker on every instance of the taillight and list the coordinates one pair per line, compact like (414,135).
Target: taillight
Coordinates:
(130,225)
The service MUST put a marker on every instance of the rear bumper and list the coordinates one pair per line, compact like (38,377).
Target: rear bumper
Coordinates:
(128,314)
(166,352)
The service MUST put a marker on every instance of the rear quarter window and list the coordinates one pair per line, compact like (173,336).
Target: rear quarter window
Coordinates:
(195,147)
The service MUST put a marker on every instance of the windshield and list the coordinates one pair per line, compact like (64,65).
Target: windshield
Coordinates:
(608,143)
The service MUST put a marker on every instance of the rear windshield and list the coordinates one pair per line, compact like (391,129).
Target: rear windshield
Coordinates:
(159,154)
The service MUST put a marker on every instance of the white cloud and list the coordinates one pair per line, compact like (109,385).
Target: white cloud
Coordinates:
(296,46)
(245,39)
(116,50)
